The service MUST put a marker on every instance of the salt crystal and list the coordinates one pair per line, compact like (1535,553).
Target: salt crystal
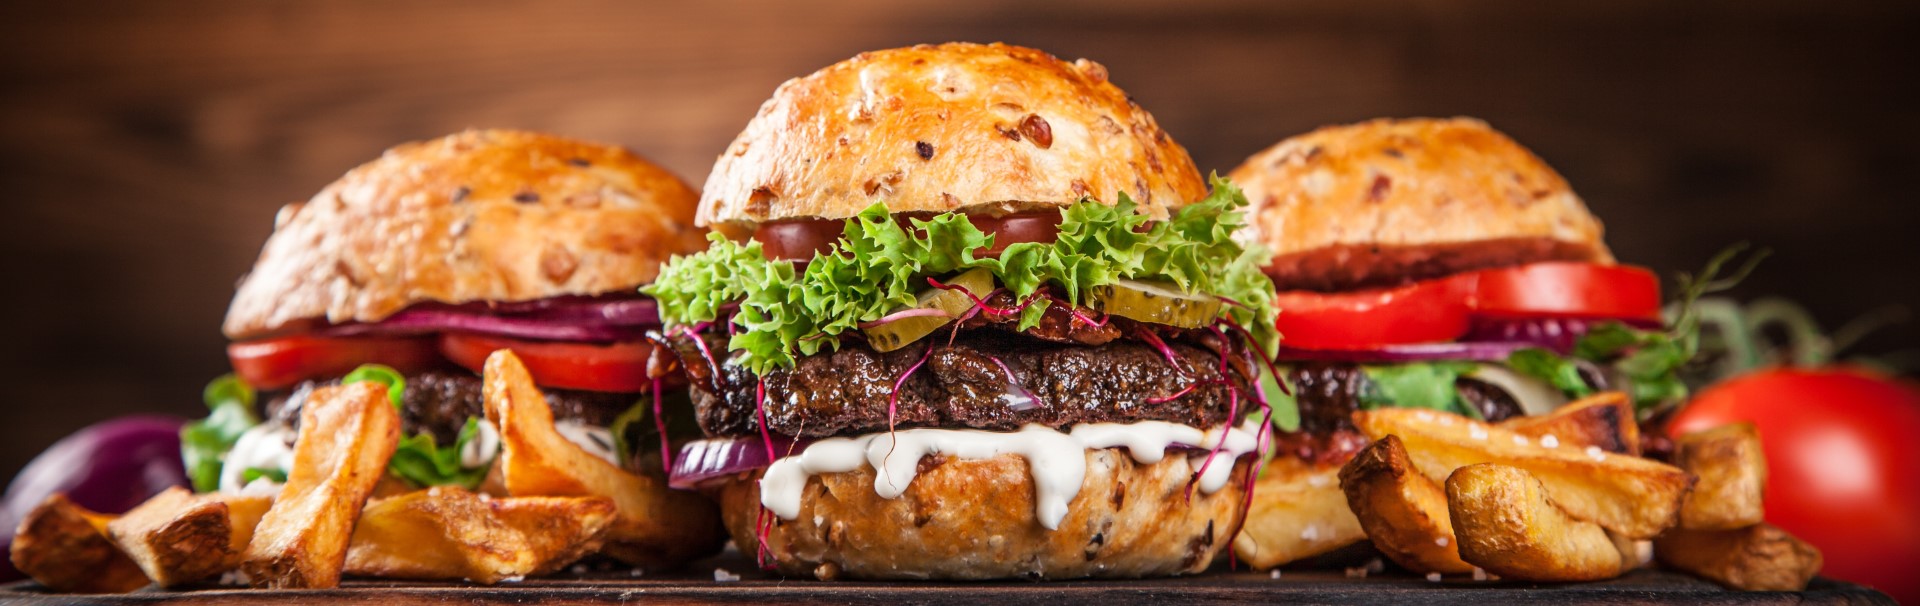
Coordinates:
(1433,577)
(1477,432)
(1478,574)
(1596,453)
(1424,415)
(1441,541)
(1519,440)
(1357,573)
(720,575)
(1275,573)
(1376,566)
(1319,481)
(1550,442)
(1310,533)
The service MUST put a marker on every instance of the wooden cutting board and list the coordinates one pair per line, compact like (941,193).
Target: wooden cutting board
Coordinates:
(697,586)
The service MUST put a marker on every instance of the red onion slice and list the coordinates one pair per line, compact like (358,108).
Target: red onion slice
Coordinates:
(555,319)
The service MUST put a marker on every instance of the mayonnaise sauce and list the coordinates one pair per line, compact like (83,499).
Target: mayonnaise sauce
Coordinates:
(480,450)
(1056,460)
(594,439)
(265,446)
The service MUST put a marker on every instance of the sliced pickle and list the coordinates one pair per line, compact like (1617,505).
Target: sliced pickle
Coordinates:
(1155,302)
(902,332)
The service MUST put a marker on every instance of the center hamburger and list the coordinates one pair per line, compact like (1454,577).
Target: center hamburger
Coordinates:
(968,314)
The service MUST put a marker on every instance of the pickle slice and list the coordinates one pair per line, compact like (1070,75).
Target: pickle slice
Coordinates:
(1155,302)
(902,332)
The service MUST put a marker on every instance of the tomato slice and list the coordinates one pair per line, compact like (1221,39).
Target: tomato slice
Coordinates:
(615,367)
(801,239)
(1422,312)
(1583,290)
(279,363)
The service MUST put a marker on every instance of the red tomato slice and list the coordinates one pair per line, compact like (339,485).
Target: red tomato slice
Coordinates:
(279,363)
(1584,290)
(1422,312)
(616,367)
(799,240)
(1843,469)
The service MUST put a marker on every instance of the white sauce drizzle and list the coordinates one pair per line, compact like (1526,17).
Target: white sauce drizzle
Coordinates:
(1056,460)
(596,440)
(483,447)
(265,446)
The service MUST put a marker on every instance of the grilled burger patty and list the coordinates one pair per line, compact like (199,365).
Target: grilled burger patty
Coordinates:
(846,392)
(439,403)
(1329,392)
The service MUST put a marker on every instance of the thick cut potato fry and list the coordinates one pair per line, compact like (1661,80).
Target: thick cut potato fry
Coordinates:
(447,533)
(178,537)
(1756,558)
(1604,420)
(1298,512)
(64,547)
(655,526)
(1635,497)
(1403,512)
(1507,526)
(347,433)
(1732,473)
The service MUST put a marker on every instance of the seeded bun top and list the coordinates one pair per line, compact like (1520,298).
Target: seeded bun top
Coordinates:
(483,215)
(988,129)
(1390,201)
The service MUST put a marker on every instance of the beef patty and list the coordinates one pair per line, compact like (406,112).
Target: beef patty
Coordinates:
(1329,392)
(439,403)
(983,380)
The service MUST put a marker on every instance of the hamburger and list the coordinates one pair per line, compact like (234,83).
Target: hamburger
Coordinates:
(968,313)
(412,268)
(1436,263)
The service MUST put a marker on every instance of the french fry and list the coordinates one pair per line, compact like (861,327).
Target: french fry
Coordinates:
(1507,526)
(448,533)
(1403,512)
(347,433)
(1756,558)
(1298,512)
(65,548)
(178,537)
(655,525)
(1604,420)
(1732,472)
(1632,496)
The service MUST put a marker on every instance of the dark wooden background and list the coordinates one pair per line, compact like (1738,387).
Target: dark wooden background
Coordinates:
(145,145)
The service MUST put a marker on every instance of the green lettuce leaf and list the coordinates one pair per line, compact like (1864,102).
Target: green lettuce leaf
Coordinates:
(878,267)
(421,461)
(1415,385)
(204,443)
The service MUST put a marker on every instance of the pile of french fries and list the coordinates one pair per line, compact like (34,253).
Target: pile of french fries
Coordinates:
(558,504)
(1558,497)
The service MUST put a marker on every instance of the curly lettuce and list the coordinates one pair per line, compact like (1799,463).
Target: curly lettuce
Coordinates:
(879,266)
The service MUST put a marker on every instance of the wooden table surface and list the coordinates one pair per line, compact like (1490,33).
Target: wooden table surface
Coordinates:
(697,586)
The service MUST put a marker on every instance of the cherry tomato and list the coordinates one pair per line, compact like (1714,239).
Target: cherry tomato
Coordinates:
(615,367)
(1843,464)
(282,362)
(1422,312)
(1584,290)
(799,240)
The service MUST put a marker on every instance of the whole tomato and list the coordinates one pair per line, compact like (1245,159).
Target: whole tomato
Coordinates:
(1843,456)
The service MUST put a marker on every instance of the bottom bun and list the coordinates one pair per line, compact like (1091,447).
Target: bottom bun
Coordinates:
(974,519)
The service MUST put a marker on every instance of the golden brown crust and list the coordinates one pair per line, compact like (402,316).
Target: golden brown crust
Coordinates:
(936,128)
(1387,201)
(974,519)
(483,215)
